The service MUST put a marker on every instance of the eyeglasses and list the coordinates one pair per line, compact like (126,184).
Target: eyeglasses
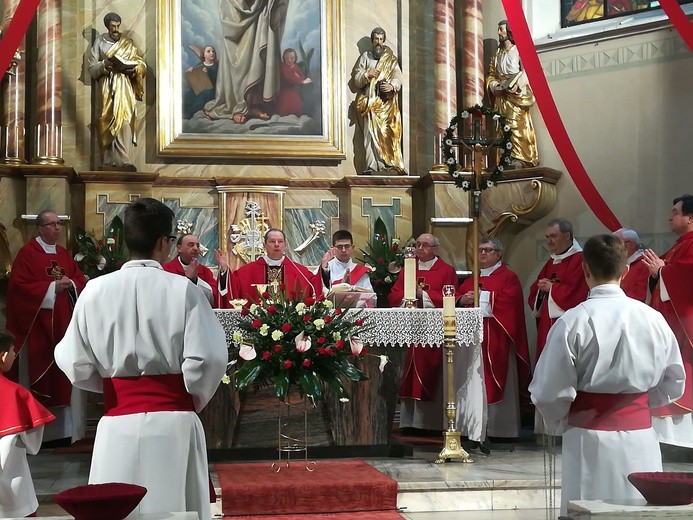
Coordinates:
(424,244)
(487,250)
(344,247)
(51,224)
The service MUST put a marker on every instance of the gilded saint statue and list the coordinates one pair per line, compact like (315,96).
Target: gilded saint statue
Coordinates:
(118,67)
(378,80)
(511,96)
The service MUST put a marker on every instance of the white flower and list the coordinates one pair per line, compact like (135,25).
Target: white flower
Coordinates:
(509,145)
(237,336)
(500,167)
(455,174)
(489,184)
(448,142)
(247,352)
(277,335)
(506,128)
(383,361)
(319,323)
(450,160)
(102,263)
(253,307)
(453,126)
(387,279)
(300,308)
(356,345)
(395,241)
(496,117)
(343,399)
(110,241)
(79,257)
(336,336)
(264,330)
(465,184)
(464,115)
(225,379)
(302,342)
(328,304)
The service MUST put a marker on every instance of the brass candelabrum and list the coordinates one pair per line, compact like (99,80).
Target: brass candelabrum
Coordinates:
(452,447)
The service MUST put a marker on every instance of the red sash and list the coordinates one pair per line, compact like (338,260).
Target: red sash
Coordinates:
(610,412)
(161,393)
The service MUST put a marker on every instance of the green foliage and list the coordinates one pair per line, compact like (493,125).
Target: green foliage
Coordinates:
(385,258)
(97,257)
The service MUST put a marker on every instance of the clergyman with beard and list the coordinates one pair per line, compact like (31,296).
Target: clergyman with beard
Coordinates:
(378,78)
(119,68)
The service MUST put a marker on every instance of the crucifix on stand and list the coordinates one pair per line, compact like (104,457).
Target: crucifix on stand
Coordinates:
(483,133)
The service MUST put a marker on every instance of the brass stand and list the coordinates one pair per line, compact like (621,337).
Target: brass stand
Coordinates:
(409,304)
(452,448)
(288,433)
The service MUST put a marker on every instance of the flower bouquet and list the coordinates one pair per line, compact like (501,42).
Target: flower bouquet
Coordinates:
(97,257)
(385,259)
(304,342)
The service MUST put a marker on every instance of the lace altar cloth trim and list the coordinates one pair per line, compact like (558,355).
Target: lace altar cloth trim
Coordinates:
(398,327)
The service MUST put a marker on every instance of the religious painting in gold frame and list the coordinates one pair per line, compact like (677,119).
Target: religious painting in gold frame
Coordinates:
(271,87)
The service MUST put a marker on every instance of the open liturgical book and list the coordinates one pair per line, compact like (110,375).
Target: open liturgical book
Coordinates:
(121,64)
(346,296)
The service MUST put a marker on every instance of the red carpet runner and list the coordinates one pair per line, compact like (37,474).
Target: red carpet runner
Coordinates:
(335,490)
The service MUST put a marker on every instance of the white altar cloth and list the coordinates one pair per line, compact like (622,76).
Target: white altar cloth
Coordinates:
(401,327)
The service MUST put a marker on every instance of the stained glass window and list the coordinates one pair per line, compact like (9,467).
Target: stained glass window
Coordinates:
(574,12)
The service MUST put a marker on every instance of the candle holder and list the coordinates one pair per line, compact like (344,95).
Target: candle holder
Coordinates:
(409,277)
(452,448)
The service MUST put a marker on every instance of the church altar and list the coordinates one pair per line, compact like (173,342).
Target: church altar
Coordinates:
(367,418)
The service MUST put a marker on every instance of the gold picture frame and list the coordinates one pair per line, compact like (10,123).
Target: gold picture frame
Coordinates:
(315,132)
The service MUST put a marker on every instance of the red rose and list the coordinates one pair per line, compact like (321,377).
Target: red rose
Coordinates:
(306,317)
(338,311)
(329,351)
(394,248)
(287,364)
(339,344)
(359,322)
(265,295)
(282,287)
(245,311)
(257,323)
(380,260)
(306,362)
(309,301)
(328,319)
(272,309)
(321,341)
(321,350)
(286,328)
(266,355)
(277,348)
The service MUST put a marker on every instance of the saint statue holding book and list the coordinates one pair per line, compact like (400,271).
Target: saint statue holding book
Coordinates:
(512,97)
(119,68)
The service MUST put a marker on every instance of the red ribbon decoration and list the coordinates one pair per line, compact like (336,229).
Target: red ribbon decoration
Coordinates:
(679,20)
(552,119)
(15,31)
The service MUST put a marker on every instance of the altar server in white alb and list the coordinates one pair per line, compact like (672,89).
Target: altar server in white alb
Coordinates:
(606,362)
(151,343)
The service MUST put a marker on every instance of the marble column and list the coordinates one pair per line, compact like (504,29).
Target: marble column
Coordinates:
(444,72)
(12,135)
(48,145)
(473,51)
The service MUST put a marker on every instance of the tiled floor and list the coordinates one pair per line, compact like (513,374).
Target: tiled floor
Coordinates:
(491,488)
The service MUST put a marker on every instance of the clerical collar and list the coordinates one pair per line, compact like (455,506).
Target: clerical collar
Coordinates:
(488,270)
(48,248)
(632,258)
(273,263)
(605,289)
(425,266)
(343,264)
(181,261)
(575,248)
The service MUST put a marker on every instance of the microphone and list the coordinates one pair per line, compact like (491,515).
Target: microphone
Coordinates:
(300,271)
